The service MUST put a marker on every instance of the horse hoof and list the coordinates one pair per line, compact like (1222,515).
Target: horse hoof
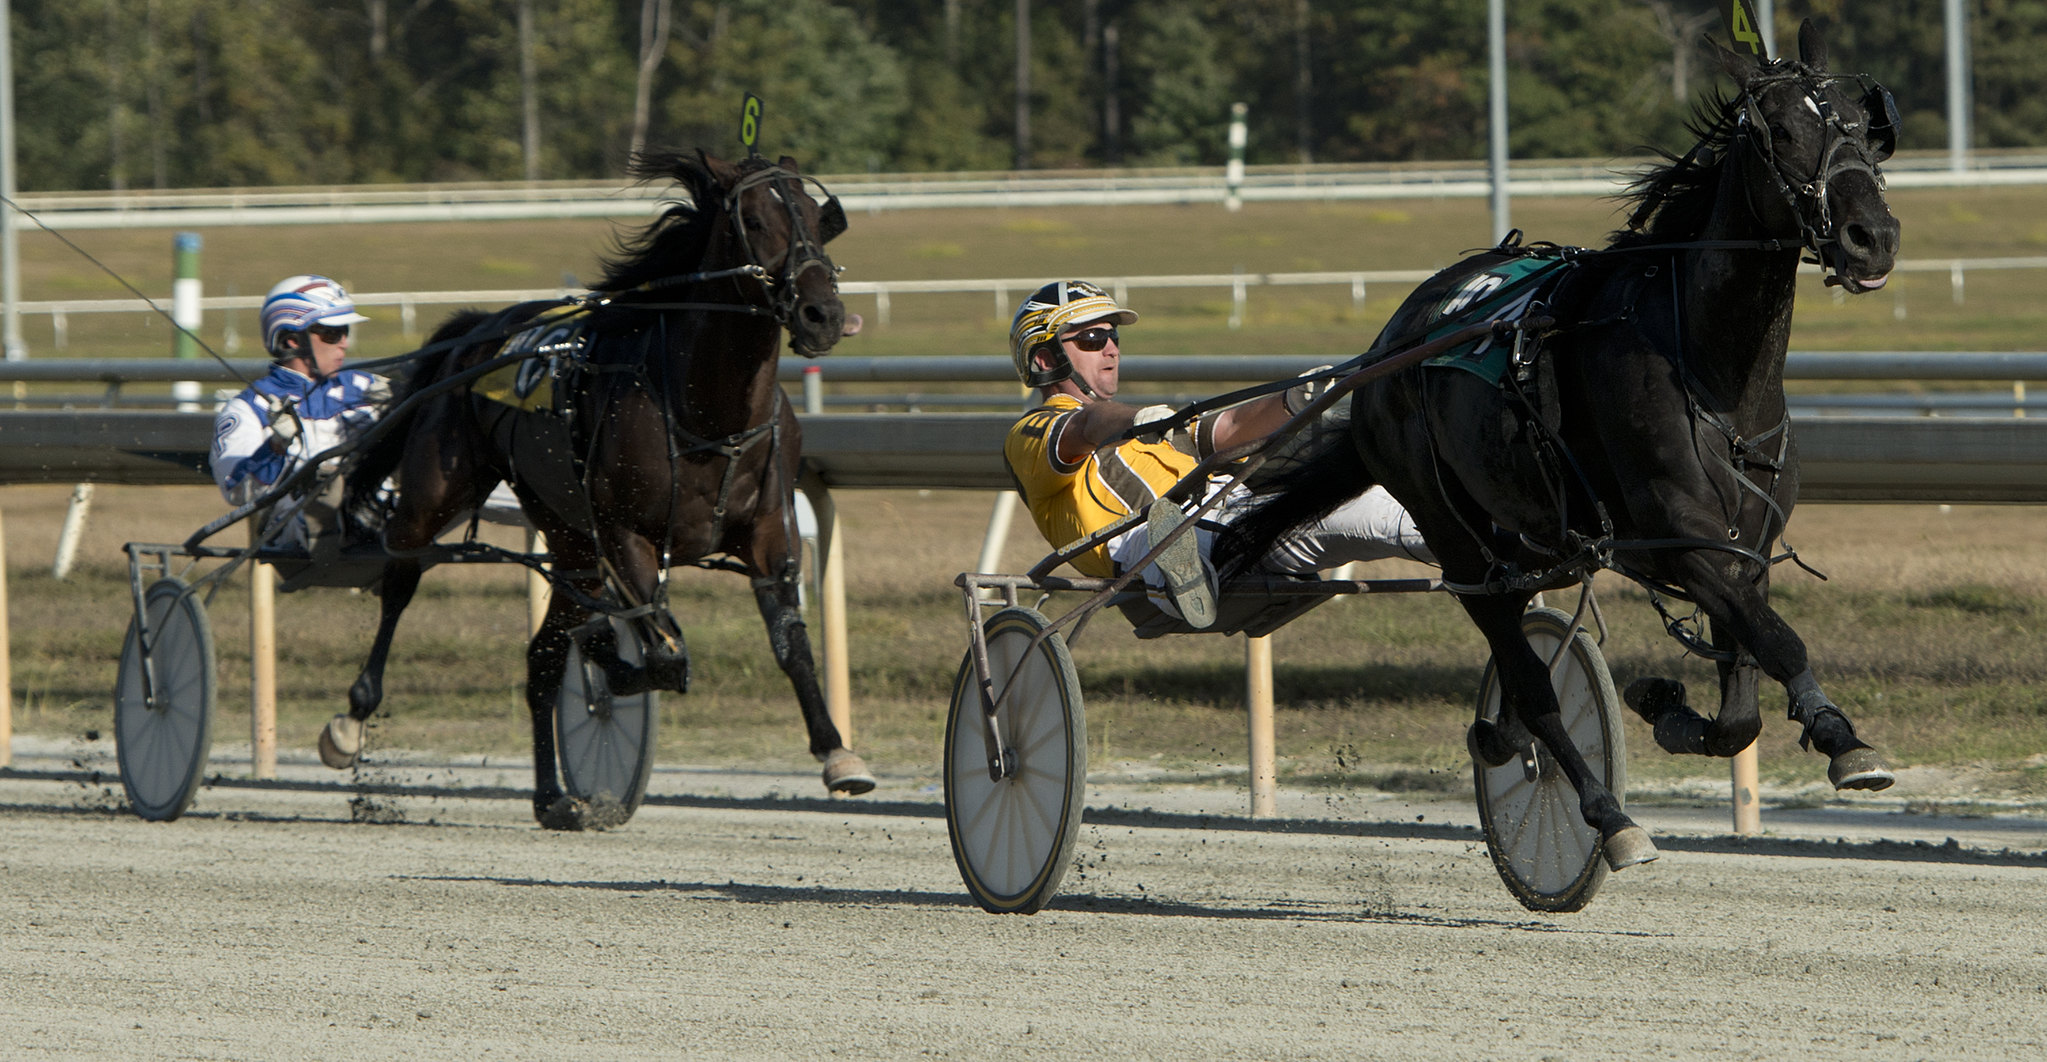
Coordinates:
(846,773)
(1629,847)
(1861,768)
(341,742)
(564,813)
(1487,745)
(1653,698)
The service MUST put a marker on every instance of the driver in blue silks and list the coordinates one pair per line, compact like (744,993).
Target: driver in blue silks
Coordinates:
(305,404)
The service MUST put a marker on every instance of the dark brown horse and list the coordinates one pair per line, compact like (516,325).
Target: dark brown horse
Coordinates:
(643,428)
(1645,429)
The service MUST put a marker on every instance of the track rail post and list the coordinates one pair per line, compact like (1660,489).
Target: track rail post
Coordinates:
(262,664)
(1748,810)
(1258,705)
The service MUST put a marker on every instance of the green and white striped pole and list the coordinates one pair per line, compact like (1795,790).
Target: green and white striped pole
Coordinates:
(185,313)
(1234,175)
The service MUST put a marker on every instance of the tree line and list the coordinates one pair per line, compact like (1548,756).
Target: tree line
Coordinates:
(125,94)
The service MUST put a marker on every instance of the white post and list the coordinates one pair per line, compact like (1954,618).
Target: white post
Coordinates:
(10,244)
(1496,91)
(813,389)
(1958,103)
(1233,175)
(74,529)
(186,291)
(262,665)
(1258,710)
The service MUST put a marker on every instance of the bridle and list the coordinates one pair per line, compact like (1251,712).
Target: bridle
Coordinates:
(1851,147)
(805,251)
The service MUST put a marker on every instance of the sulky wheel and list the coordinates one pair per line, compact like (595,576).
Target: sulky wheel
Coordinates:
(606,741)
(1540,844)
(1013,837)
(163,739)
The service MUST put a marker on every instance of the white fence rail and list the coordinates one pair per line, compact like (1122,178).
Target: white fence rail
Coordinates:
(884,292)
(870,192)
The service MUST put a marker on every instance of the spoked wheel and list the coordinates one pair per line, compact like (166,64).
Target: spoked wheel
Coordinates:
(606,740)
(163,739)
(1013,837)
(1550,859)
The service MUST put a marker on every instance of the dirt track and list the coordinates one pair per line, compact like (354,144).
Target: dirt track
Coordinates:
(266,924)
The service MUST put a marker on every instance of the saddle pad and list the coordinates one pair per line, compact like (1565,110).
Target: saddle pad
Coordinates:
(528,385)
(1503,293)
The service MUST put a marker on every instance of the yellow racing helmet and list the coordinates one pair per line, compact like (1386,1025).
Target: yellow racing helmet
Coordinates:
(1051,310)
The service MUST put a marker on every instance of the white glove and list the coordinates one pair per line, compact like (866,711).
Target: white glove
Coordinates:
(1152,415)
(1301,395)
(284,422)
(378,392)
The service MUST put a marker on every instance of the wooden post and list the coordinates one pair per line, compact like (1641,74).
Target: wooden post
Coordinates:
(6,662)
(262,665)
(838,670)
(831,606)
(1748,811)
(1258,705)
(538,591)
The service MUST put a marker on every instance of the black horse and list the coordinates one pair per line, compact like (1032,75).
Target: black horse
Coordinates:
(641,428)
(1642,427)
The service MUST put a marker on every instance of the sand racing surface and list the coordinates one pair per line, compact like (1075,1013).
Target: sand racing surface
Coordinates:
(727,920)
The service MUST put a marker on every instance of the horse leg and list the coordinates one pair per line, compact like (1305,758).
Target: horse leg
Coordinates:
(1680,730)
(776,595)
(341,739)
(547,657)
(1741,608)
(1527,696)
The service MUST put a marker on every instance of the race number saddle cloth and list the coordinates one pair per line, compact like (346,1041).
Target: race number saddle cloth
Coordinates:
(553,341)
(1504,293)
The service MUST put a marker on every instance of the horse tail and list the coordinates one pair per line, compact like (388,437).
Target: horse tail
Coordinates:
(1326,476)
(374,463)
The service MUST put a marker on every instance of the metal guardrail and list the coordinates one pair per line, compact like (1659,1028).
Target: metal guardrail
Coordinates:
(975,368)
(1842,458)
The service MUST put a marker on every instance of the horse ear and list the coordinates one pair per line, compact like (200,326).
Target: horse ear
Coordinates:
(789,164)
(831,219)
(1739,65)
(1812,48)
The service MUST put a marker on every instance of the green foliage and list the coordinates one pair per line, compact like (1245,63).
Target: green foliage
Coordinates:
(194,93)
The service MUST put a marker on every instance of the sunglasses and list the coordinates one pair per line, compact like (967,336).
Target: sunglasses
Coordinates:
(328,333)
(1094,339)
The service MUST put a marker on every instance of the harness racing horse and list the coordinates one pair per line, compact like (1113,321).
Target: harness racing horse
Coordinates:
(645,429)
(1642,426)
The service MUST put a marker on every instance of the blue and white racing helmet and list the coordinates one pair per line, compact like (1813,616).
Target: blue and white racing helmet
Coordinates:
(299,302)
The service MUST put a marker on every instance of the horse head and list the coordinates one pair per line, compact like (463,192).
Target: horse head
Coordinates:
(778,228)
(1820,139)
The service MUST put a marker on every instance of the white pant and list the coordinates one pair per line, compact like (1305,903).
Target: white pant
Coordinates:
(1371,526)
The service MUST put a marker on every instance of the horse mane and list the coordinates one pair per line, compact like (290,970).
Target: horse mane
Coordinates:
(1674,199)
(372,464)
(675,242)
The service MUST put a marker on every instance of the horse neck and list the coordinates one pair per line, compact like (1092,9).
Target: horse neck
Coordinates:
(1736,305)
(727,362)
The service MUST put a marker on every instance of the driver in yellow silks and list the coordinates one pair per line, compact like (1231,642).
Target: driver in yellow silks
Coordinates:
(1065,343)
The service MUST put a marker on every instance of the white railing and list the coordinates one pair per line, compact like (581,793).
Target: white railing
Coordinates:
(1003,291)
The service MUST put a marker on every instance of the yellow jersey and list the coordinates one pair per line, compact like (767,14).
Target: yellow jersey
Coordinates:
(1070,501)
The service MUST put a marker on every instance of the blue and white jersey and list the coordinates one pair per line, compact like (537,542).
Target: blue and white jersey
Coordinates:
(333,411)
